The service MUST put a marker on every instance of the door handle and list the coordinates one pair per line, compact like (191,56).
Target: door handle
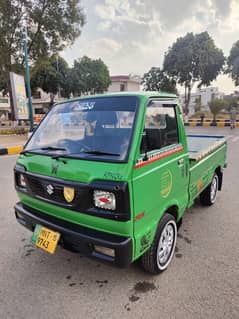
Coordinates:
(180,162)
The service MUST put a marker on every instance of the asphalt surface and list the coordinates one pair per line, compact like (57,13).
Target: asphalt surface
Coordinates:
(12,140)
(201,282)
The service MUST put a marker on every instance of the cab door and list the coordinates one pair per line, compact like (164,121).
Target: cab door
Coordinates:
(160,177)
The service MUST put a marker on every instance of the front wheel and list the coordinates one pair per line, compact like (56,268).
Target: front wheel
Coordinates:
(160,254)
(209,195)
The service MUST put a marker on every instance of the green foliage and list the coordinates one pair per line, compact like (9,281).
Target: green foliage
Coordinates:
(3,84)
(156,80)
(233,63)
(208,115)
(191,59)
(216,106)
(14,131)
(232,101)
(52,26)
(86,77)
(51,75)
(198,104)
(89,76)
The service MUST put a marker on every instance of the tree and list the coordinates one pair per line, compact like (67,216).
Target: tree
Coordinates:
(51,75)
(89,76)
(233,63)
(198,104)
(232,101)
(191,59)
(156,80)
(216,106)
(52,25)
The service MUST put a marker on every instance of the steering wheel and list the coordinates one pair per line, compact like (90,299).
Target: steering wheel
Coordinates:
(78,146)
(84,147)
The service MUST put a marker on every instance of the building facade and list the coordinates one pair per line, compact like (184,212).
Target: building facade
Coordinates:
(4,107)
(40,104)
(202,97)
(122,83)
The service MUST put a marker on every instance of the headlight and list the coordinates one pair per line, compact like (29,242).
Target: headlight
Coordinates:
(105,200)
(22,181)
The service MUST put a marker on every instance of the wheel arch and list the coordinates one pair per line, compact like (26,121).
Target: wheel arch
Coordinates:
(219,173)
(174,211)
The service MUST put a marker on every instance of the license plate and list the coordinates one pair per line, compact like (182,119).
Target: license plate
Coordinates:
(45,238)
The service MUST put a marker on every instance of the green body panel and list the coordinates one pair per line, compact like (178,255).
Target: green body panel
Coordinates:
(77,171)
(102,224)
(153,188)
(156,188)
(201,172)
(150,197)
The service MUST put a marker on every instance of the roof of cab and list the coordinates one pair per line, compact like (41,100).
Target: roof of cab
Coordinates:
(146,94)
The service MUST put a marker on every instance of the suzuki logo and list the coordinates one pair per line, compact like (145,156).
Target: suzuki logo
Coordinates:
(50,189)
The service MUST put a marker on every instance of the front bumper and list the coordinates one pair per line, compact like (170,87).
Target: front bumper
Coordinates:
(78,238)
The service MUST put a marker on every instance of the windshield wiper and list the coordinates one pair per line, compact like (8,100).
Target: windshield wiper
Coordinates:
(48,148)
(95,152)
(52,148)
(30,151)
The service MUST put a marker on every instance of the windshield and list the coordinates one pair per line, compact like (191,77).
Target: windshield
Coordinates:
(87,128)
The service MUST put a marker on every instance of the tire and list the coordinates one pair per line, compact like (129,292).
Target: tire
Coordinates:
(155,260)
(209,195)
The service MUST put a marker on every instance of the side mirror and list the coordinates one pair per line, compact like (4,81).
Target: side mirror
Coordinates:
(29,134)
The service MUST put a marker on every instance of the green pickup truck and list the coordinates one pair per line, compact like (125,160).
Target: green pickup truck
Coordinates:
(110,176)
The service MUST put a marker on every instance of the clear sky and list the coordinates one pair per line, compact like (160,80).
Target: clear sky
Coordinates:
(131,36)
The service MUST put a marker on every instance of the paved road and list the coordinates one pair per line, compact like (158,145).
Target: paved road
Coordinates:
(12,140)
(202,281)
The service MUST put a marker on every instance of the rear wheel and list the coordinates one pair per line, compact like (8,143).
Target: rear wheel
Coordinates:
(209,195)
(160,254)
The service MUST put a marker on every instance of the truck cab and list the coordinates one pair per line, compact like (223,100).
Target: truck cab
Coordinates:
(109,176)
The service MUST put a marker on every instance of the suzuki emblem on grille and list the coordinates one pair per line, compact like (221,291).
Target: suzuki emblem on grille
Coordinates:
(50,189)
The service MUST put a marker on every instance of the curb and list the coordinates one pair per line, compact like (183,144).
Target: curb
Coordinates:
(11,150)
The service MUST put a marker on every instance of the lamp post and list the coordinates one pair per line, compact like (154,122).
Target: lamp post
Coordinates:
(58,84)
(27,76)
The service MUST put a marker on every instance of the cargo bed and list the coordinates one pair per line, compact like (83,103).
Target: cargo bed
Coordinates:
(200,146)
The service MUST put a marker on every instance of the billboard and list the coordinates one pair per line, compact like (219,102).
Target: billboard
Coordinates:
(20,101)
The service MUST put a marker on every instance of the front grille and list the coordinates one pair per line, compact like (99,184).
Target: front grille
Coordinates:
(38,187)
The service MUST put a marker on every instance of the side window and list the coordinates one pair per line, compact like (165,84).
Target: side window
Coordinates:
(161,127)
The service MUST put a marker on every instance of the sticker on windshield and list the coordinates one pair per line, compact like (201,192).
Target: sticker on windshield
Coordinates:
(84,106)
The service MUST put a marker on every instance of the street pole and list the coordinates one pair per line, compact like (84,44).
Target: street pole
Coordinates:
(27,76)
(58,84)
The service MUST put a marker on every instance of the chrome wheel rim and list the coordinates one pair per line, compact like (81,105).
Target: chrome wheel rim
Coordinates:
(166,246)
(214,188)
